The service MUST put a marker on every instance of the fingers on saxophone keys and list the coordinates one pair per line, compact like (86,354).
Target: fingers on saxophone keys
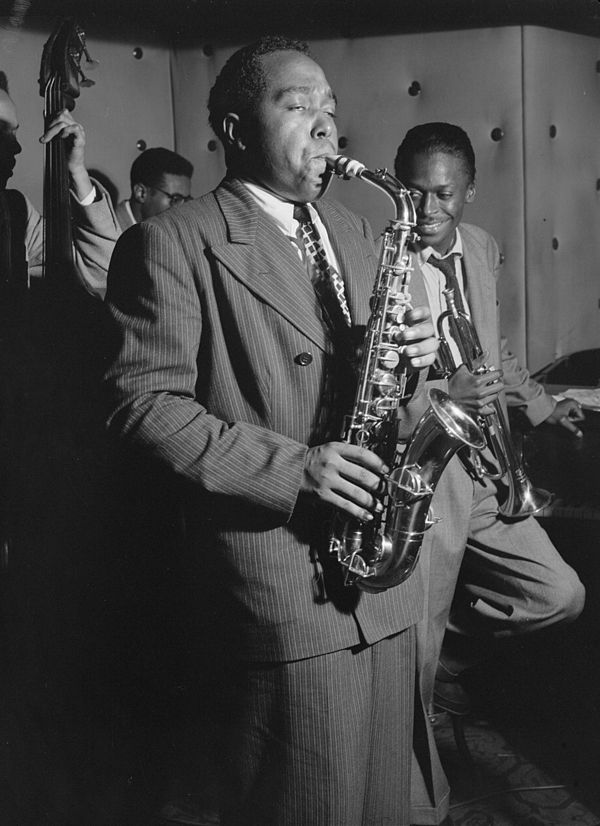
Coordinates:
(363,505)
(365,492)
(420,353)
(417,314)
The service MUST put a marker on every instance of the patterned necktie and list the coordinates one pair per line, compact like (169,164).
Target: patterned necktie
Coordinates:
(448,268)
(327,282)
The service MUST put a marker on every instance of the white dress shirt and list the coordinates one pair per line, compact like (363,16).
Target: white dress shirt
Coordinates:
(282,212)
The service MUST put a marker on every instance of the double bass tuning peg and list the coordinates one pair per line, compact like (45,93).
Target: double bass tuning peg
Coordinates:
(89,61)
(85,81)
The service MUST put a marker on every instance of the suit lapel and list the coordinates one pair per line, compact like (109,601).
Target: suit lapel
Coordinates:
(259,256)
(480,292)
(355,257)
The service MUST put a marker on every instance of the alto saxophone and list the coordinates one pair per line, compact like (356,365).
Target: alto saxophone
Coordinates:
(383,553)
(522,499)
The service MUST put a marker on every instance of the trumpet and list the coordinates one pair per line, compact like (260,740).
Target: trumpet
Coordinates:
(522,499)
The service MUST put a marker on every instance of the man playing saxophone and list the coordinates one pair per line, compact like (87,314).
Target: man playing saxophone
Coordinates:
(512,579)
(234,372)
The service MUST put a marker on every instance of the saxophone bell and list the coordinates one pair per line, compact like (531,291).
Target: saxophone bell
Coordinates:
(383,553)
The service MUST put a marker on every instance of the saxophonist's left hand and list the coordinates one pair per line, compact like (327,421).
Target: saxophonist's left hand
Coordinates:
(419,337)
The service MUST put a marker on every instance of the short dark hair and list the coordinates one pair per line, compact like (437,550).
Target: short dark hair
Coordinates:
(242,79)
(3,82)
(149,167)
(428,138)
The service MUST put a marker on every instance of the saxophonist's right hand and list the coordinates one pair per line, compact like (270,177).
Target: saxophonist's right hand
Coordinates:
(346,476)
(475,392)
(419,338)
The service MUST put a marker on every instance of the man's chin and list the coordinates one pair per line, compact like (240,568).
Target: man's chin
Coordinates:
(326,179)
(433,239)
(319,186)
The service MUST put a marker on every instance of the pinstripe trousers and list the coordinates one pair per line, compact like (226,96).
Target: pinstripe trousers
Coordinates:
(323,741)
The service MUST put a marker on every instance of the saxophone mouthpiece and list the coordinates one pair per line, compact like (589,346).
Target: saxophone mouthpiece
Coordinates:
(344,167)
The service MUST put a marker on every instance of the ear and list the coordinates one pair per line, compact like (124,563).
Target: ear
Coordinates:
(232,131)
(470,194)
(139,193)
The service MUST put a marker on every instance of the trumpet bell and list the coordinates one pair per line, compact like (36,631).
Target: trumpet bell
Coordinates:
(523,499)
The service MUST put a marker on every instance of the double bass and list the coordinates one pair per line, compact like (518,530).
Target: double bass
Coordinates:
(60,81)
(35,395)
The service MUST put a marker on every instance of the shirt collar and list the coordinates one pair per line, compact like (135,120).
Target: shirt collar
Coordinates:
(457,249)
(129,211)
(282,212)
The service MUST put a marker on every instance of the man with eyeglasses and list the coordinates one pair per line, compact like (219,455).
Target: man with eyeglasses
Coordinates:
(160,179)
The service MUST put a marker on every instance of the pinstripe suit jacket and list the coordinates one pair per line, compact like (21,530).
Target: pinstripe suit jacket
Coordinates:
(213,310)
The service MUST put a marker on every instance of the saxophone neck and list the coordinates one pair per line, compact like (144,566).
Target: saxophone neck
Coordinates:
(405,213)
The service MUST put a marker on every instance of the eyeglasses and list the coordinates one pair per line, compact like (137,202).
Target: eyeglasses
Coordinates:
(175,198)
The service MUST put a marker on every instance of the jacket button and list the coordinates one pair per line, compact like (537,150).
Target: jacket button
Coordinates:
(303,359)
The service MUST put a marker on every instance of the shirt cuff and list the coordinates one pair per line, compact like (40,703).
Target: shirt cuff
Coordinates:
(89,198)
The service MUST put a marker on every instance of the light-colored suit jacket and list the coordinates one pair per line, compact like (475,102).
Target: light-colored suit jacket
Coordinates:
(223,372)
(124,216)
(95,232)
(481,263)
(482,269)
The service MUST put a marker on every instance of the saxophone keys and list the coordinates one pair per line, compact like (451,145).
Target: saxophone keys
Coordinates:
(409,480)
(385,382)
(389,359)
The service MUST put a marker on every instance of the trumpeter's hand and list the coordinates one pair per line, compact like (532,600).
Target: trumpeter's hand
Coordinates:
(476,392)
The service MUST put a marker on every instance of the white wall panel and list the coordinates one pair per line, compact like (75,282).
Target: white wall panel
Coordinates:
(562,89)
(470,78)
(131,100)
(194,72)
